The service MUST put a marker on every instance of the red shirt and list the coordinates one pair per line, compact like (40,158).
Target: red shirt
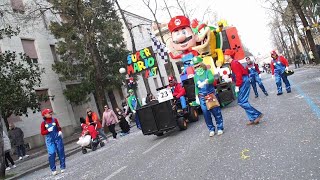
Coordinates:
(89,128)
(282,59)
(178,90)
(43,128)
(238,71)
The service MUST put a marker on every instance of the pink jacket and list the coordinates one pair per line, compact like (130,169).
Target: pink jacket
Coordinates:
(109,117)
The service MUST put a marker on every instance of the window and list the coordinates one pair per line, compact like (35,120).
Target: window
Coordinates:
(43,93)
(54,53)
(17,6)
(30,50)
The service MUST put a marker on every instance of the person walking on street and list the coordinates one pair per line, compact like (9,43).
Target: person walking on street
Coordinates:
(203,80)
(92,119)
(16,136)
(242,87)
(133,104)
(7,148)
(255,77)
(51,129)
(312,57)
(125,127)
(297,62)
(110,119)
(279,65)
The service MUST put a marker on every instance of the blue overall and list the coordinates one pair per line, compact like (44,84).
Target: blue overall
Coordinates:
(216,112)
(279,69)
(183,100)
(136,118)
(243,96)
(254,78)
(55,145)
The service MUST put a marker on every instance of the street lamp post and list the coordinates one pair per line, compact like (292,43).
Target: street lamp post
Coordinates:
(123,71)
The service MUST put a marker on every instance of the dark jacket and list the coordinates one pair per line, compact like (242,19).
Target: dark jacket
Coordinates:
(16,136)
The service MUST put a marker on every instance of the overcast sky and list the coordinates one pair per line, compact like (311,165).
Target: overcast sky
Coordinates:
(250,18)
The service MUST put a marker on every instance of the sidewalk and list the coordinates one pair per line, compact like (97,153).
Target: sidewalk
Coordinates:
(38,158)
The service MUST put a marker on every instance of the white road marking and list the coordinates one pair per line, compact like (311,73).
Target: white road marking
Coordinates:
(152,147)
(115,173)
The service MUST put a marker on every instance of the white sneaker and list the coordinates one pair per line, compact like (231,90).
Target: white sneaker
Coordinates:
(14,166)
(26,156)
(62,170)
(211,133)
(20,158)
(54,173)
(220,132)
(8,168)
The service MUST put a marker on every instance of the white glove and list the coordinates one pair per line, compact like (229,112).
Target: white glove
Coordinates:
(236,89)
(197,100)
(287,68)
(60,133)
(259,75)
(50,129)
(201,85)
(134,111)
(272,76)
(206,81)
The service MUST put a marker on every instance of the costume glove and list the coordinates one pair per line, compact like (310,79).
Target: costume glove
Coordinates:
(287,68)
(272,76)
(134,111)
(259,75)
(50,129)
(236,89)
(60,134)
(197,100)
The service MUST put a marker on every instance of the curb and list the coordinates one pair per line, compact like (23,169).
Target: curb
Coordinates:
(46,164)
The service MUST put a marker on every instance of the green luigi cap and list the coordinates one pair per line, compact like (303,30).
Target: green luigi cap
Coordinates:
(130,91)
(196,60)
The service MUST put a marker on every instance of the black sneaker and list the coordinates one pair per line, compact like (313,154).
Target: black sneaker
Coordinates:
(266,93)
(256,96)
(279,94)
(289,91)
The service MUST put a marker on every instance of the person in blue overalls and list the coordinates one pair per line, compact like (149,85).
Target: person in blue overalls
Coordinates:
(255,77)
(203,80)
(51,129)
(133,104)
(279,65)
(242,87)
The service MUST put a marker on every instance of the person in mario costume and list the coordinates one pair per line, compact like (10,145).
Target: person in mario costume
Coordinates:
(183,39)
(178,92)
(51,129)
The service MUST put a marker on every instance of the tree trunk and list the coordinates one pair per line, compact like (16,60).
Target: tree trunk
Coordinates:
(2,163)
(283,43)
(308,30)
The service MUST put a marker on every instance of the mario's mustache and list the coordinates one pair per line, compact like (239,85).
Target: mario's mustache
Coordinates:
(186,40)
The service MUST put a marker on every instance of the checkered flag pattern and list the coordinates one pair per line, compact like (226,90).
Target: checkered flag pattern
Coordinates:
(159,47)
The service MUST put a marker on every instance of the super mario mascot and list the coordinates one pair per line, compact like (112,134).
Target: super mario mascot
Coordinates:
(255,77)
(183,39)
(51,129)
(279,65)
(133,104)
(178,92)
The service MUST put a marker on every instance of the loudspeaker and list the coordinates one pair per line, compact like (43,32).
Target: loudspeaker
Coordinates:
(189,86)
(147,120)
(163,114)
(225,92)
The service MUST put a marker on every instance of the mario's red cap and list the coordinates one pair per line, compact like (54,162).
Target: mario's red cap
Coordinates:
(229,52)
(273,52)
(170,78)
(178,22)
(46,111)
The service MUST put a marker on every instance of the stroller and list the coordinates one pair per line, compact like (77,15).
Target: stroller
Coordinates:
(90,138)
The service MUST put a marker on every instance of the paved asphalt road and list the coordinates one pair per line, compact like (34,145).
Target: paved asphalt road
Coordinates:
(285,145)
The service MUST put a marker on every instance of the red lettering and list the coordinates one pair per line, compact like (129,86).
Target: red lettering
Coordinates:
(130,69)
(147,74)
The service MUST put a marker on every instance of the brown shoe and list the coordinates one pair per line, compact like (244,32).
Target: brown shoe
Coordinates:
(250,123)
(258,119)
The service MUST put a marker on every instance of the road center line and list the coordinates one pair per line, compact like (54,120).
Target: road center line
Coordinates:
(152,147)
(115,173)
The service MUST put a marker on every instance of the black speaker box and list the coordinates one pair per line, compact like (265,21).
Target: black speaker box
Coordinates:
(189,86)
(225,93)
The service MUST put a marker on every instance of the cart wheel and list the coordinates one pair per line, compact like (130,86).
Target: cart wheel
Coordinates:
(94,147)
(182,123)
(193,116)
(159,134)
(84,151)
(102,144)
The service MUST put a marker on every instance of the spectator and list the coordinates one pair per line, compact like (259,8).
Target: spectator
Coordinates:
(302,58)
(110,119)
(124,125)
(312,57)
(127,111)
(92,119)
(296,61)
(17,139)
(7,148)
(150,99)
